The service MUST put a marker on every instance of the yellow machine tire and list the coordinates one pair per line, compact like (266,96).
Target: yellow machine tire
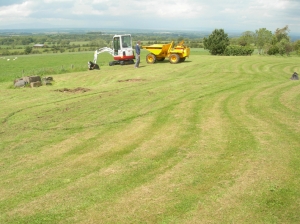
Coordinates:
(151,58)
(182,59)
(174,58)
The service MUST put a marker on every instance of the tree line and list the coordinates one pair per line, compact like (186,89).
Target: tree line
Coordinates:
(217,43)
(266,42)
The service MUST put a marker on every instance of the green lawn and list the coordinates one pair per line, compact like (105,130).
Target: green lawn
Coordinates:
(212,140)
(45,64)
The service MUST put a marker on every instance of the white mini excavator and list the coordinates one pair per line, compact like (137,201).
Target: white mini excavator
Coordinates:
(121,50)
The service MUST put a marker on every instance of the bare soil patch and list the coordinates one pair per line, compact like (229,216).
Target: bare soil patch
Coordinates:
(132,80)
(76,90)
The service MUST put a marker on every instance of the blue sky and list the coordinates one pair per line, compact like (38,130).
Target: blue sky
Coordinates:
(230,15)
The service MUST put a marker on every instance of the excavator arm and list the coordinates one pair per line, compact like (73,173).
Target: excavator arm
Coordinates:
(102,50)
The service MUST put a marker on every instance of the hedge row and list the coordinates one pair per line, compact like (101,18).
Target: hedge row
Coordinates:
(234,50)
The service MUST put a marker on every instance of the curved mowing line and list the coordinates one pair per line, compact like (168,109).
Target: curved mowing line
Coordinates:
(262,107)
(85,95)
(283,68)
(188,97)
(283,108)
(241,136)
(88,95)
(293,93)
(108,159)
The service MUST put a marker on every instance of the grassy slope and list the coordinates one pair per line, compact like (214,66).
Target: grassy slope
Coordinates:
(214,139)
(45,64)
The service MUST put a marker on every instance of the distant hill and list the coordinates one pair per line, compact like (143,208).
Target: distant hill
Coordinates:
(186,33)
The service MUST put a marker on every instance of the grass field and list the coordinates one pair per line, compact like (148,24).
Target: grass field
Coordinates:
(211,140)
(45,64)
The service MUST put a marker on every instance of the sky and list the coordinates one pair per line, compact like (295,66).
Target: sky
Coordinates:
(197,15)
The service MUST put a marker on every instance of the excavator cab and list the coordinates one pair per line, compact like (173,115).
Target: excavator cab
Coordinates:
(126,41)
(121,43)
(121,50)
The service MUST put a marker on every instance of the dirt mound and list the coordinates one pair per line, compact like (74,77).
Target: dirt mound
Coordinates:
(76,90)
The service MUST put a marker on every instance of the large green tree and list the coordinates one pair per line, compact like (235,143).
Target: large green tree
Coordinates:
(282,33)
(246,38)
(262,37)
(297,46)
(284,47)
(217,42)
(27,50)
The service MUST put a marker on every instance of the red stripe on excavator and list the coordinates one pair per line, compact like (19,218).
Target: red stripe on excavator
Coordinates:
(123,58)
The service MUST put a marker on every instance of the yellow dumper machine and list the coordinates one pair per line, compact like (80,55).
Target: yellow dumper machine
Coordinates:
(161,51)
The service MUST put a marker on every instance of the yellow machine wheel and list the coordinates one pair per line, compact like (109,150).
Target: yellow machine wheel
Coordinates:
(151,58)
(174,58)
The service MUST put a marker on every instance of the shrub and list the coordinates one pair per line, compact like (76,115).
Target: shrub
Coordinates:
(217,42)
(235,50)
(5,52)
(273,50)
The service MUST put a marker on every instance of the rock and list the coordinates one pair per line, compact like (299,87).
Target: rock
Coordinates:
(35,84)
(295,76)
(20,83)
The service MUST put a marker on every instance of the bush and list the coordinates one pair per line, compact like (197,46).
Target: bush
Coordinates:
(273,50)
(5,52)
(27,50)
(217,42)
(234,50)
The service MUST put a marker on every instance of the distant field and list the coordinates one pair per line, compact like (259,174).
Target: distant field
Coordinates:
(79,42)
(212,140)
(39,64)
(26,65)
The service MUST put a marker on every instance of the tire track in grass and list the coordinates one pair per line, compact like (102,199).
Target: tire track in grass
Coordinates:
(74,153)
(259,172)
(290,98)
(228,191)
(187,95)
(264,173)
(283,67)
(280,144)
(186,205)
(115,157)
(217,158)
(83,97)
(136,199)
(292,91)
(204,170)
(246,67)
(257,67)
(254,175)
(238,165)
(268,101)
(62,123)
(191,183)
(80,146)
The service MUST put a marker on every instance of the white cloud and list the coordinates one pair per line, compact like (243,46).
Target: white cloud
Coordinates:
(179,10)
(228,10)
(273,4)
(155,14)
(83,9)
(57,1)
(16,10)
